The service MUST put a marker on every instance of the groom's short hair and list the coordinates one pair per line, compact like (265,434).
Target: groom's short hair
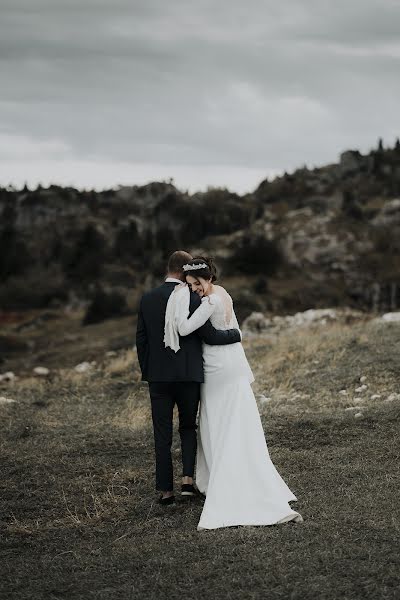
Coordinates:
(177,260)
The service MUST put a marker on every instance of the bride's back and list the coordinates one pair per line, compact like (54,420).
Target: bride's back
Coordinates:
(223,363)
(222,317)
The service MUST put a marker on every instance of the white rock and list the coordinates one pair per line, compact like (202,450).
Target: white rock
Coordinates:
(392,397)
(352,408)
(360,389)
(357,400)
(391,206)
(363,379)
(313,315)
(358,415)
(375,396)
(389,213)
(4,400)
(83,367)
(43,371)
(257,323)
(390,317)
(111,353)
(343,392)
(8,376)
(264,399)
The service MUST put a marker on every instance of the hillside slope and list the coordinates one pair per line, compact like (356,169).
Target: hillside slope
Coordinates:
(322,237)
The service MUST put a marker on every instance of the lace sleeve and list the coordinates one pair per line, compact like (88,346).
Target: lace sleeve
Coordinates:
(198,318)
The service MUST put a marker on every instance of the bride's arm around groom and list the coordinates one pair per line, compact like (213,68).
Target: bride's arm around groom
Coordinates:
(187,313)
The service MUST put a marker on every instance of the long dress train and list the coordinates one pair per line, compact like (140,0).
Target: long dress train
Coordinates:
(234,469)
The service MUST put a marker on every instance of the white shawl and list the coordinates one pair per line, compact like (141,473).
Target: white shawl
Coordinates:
(177,309)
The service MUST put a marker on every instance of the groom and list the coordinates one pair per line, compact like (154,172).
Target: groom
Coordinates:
(173,378)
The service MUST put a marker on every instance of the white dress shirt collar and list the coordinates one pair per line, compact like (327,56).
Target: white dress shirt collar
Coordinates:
(173,280)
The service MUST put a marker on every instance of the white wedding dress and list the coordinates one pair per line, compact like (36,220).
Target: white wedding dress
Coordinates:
(234,469)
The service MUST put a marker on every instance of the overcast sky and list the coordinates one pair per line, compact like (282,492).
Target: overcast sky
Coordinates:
(96,93)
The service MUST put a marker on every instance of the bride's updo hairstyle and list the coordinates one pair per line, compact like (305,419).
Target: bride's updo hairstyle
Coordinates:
(208,272)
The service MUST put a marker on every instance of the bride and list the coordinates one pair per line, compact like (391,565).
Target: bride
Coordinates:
(234,470)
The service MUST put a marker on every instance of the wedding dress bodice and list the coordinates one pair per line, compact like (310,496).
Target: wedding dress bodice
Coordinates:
(218,307)
(218,361)
(222,315)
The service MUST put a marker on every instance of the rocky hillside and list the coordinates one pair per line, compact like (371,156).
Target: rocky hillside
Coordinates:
(313,238)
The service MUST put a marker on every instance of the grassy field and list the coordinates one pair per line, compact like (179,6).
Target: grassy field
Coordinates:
(79,518)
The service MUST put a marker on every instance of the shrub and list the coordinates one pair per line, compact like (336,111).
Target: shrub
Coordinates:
(105,305)
(351,207)
(128,245)
(14,254)
(255,254)
(36,289)
(246,303)
(85,259)
(260,286)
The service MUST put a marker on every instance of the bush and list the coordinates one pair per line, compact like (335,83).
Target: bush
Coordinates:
(245,303)
(14,255)
(255,254)
(260,286)
(351,207)
(85,260)
(128,245)
(183,221)
(37,289)
(105,305)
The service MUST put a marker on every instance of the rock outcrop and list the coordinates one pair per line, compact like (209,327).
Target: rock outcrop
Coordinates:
(258,324)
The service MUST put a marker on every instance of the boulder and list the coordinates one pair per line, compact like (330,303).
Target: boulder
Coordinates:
(390,317)
(389,213)
(41,371)
(4,400)
(8,376)
(83,367)
(351,161)
(257,323)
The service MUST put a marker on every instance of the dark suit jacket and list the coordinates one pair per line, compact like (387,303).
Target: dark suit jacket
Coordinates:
(158,363)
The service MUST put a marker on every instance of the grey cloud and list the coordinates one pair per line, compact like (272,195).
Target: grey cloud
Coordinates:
(201,83)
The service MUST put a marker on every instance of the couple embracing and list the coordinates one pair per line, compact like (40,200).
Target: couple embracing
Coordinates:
(190,353)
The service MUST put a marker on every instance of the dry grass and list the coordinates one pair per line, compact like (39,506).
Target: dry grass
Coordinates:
(121,363)
(78,513)
(136,412)
(309,368)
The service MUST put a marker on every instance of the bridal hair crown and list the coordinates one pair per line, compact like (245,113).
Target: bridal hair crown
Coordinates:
(195,267)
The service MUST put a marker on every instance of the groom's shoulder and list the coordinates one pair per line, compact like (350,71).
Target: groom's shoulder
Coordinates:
(156,292)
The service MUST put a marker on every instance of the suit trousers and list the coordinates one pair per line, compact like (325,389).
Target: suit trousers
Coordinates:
(164,396)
